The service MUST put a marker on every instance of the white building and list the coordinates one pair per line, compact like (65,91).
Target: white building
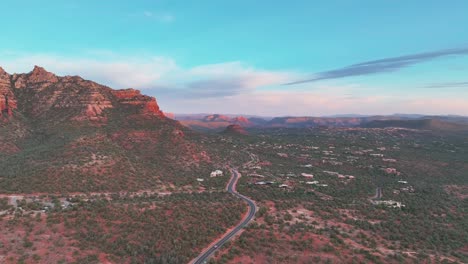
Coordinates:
(216,173)
(312,182)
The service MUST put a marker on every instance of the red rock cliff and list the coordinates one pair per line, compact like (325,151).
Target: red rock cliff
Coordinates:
(7,97)
(71,96)
(147,104)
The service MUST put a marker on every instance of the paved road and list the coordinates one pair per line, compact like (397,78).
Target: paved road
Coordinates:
(378,193)
(231,187)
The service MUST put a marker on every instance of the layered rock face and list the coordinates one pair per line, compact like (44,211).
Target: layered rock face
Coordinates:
(132,97)
(7,97)
(71,97)
(38,78)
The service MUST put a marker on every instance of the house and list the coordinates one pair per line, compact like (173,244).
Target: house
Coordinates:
(66,204)
(390,203)
(408,189)
(391,171)
(216,173)
(283,155)
(312,182)
(256,175)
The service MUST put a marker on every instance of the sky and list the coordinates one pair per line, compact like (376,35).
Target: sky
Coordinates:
(270,58)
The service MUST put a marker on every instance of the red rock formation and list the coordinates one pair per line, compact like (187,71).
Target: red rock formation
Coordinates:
(7,98)
(113,138)
(38,78)
(74,98)
(40,75)
(146,104)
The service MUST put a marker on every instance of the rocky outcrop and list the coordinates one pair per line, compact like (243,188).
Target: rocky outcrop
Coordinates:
(38,78)
(7,97)
(142,103)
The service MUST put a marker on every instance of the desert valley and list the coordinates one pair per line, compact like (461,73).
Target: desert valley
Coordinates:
(233,132)
(103,176)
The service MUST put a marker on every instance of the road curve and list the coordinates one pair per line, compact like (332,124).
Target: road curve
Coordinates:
(231,188)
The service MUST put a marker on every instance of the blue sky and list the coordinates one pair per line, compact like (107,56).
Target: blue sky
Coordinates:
(366,57)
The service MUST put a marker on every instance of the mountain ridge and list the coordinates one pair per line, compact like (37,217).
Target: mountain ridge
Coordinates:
(66,134)
(206,124)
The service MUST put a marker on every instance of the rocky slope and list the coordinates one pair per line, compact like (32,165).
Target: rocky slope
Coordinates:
(65,134)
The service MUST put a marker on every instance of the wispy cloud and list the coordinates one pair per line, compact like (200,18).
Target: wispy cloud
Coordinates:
(161,75)
(106,68)
(231,78)
(315,103)
(447,85)
(382,66)
(230,87)
(161,17)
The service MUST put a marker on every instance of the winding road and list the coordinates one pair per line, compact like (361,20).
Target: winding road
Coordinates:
(231,188)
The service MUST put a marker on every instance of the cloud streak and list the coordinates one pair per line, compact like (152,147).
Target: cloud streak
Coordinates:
(161,17)
(382,66)
(315,103)
(447,85)
(160,75)
(229,87)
